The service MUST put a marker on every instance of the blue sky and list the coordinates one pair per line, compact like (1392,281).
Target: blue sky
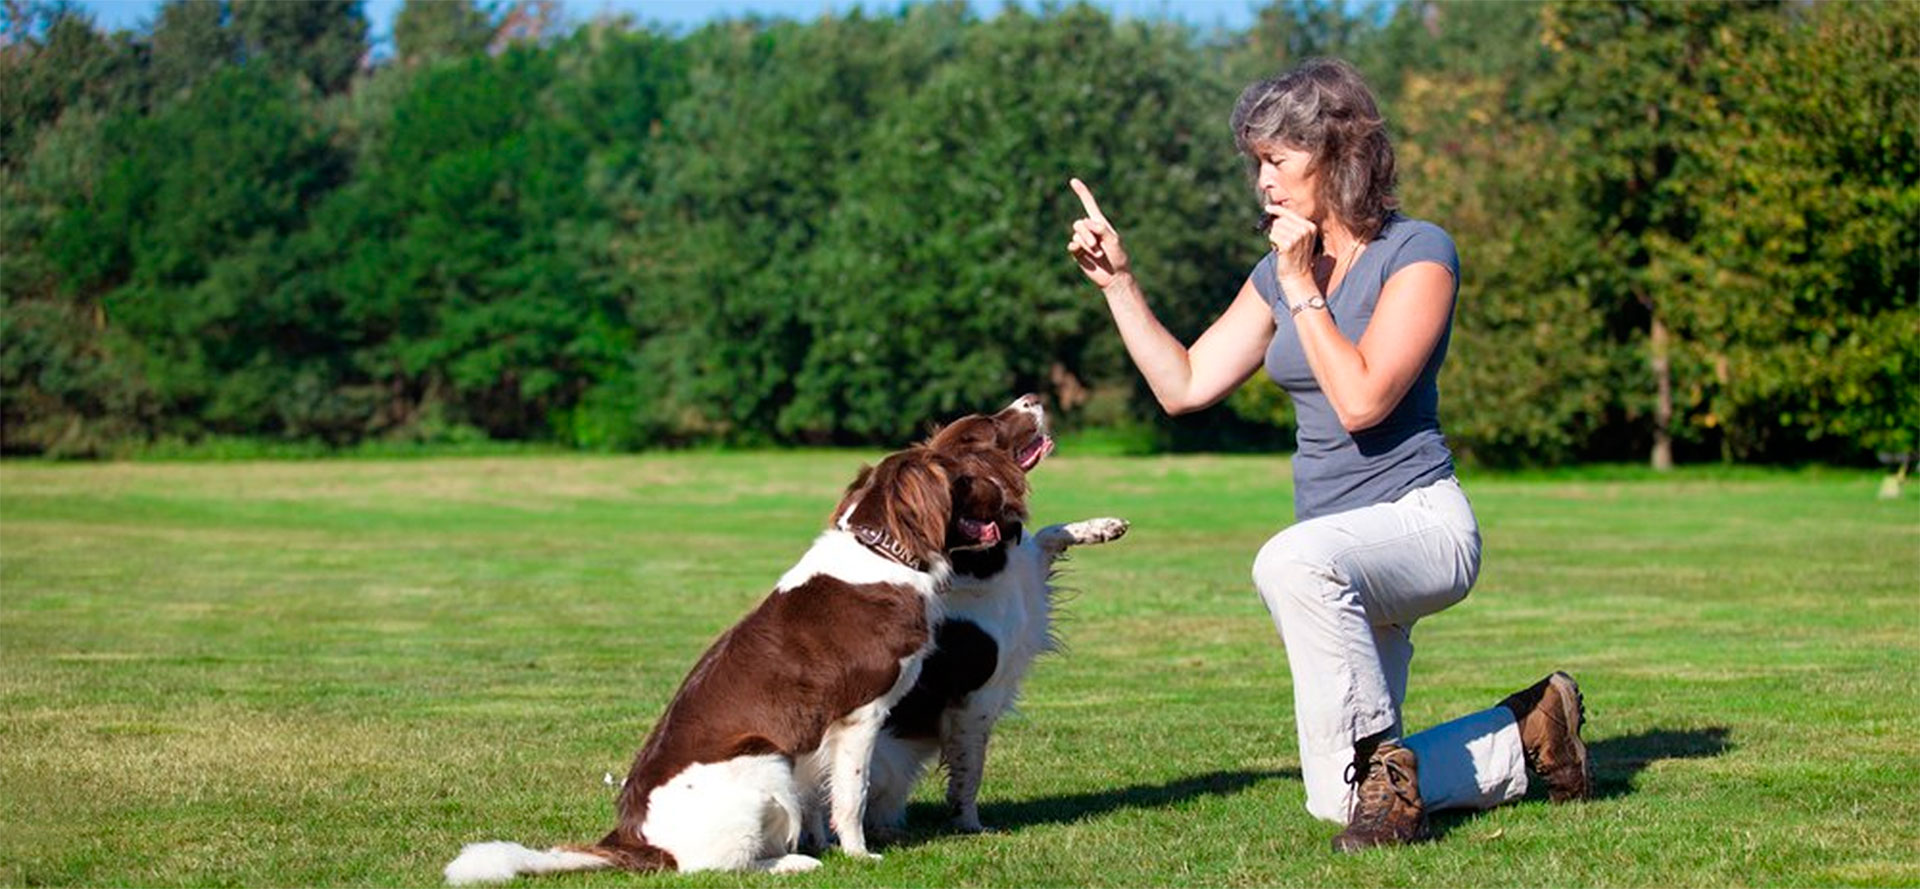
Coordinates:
(686,14)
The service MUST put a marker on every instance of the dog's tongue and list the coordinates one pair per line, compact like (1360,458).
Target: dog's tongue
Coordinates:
(984,533)
(1037,452)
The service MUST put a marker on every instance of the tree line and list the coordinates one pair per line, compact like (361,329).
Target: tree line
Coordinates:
(1688,230)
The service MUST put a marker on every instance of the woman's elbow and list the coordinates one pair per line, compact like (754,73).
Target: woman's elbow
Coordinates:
(1359,418)
(1191,398)
(1176,405)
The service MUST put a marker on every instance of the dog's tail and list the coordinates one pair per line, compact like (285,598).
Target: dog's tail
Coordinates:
(500,862)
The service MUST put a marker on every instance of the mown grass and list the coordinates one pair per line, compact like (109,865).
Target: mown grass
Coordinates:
(336,673)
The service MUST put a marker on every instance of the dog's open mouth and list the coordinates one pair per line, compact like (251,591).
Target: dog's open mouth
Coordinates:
(1035,451)
(979,533)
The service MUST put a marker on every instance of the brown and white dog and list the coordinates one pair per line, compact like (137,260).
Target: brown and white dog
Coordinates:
(998,619)
(791,698)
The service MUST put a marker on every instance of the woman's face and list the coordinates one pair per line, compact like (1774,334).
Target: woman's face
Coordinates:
(1283,179)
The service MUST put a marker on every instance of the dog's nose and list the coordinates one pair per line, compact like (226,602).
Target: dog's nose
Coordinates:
(1028,402)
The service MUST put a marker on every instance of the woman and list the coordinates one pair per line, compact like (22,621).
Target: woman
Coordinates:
(1351,314)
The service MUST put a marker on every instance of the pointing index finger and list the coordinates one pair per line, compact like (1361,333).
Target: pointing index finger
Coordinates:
(1086,199)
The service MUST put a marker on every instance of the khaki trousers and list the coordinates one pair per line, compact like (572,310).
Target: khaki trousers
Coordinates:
(1344,591)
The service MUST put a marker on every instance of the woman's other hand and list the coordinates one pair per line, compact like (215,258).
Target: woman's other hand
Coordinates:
(1095,245)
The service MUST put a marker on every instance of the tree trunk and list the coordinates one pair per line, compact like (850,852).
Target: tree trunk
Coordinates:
(1658,344)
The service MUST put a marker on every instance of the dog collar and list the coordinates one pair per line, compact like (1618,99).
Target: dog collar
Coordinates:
(879,542)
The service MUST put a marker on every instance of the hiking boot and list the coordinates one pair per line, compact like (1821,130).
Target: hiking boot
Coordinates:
(1386,805)
(1550,713)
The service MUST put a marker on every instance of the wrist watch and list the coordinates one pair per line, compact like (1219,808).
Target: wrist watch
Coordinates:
(1315,301)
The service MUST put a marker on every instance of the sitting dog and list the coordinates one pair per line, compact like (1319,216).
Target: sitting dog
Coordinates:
(998,620)
(792,697)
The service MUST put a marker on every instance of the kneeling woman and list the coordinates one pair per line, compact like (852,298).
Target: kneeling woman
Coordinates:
(1351,313)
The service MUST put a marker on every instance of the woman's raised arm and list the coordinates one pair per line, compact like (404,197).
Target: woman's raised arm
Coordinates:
(1183,379)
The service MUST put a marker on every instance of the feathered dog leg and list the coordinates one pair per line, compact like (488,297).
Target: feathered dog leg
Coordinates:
(1054,539)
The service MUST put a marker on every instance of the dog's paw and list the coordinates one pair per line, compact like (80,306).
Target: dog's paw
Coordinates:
(814,839)
(1093,531)
(971,826)
(793,864)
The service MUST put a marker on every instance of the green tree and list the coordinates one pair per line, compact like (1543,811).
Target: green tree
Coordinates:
(1287,32)
(1803,276)
(54,60)
(1532,372)
(1684,227)
(462,266)
(1632,90)
(182,197)
(614,88)
(63,391)
(320,41)
(190,43)
(748,168)
(433,29)
(941,285)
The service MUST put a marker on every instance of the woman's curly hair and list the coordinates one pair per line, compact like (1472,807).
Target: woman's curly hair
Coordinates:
(1324,108)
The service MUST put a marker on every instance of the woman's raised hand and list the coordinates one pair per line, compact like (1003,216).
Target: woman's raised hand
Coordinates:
(1095,245)
(1296,244)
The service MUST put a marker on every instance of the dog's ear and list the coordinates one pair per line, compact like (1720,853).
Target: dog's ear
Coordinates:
(973,431)
(908,497)
(853,493)
(919,501)
(935,432)
(993,466)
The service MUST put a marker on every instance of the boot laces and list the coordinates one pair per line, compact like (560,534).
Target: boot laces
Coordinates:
(1383,780)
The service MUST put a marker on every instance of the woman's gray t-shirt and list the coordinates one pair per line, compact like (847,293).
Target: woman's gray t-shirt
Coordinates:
(1334,470)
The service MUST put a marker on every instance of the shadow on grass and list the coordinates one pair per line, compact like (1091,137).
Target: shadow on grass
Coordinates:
(1616,761)
(926,820)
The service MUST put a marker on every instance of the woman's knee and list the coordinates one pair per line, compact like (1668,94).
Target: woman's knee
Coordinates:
(1287,572)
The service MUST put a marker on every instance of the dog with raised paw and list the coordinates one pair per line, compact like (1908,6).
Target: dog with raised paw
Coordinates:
(998,620)
(791,699)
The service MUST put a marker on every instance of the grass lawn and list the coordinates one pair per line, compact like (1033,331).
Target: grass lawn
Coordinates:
(332,673)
